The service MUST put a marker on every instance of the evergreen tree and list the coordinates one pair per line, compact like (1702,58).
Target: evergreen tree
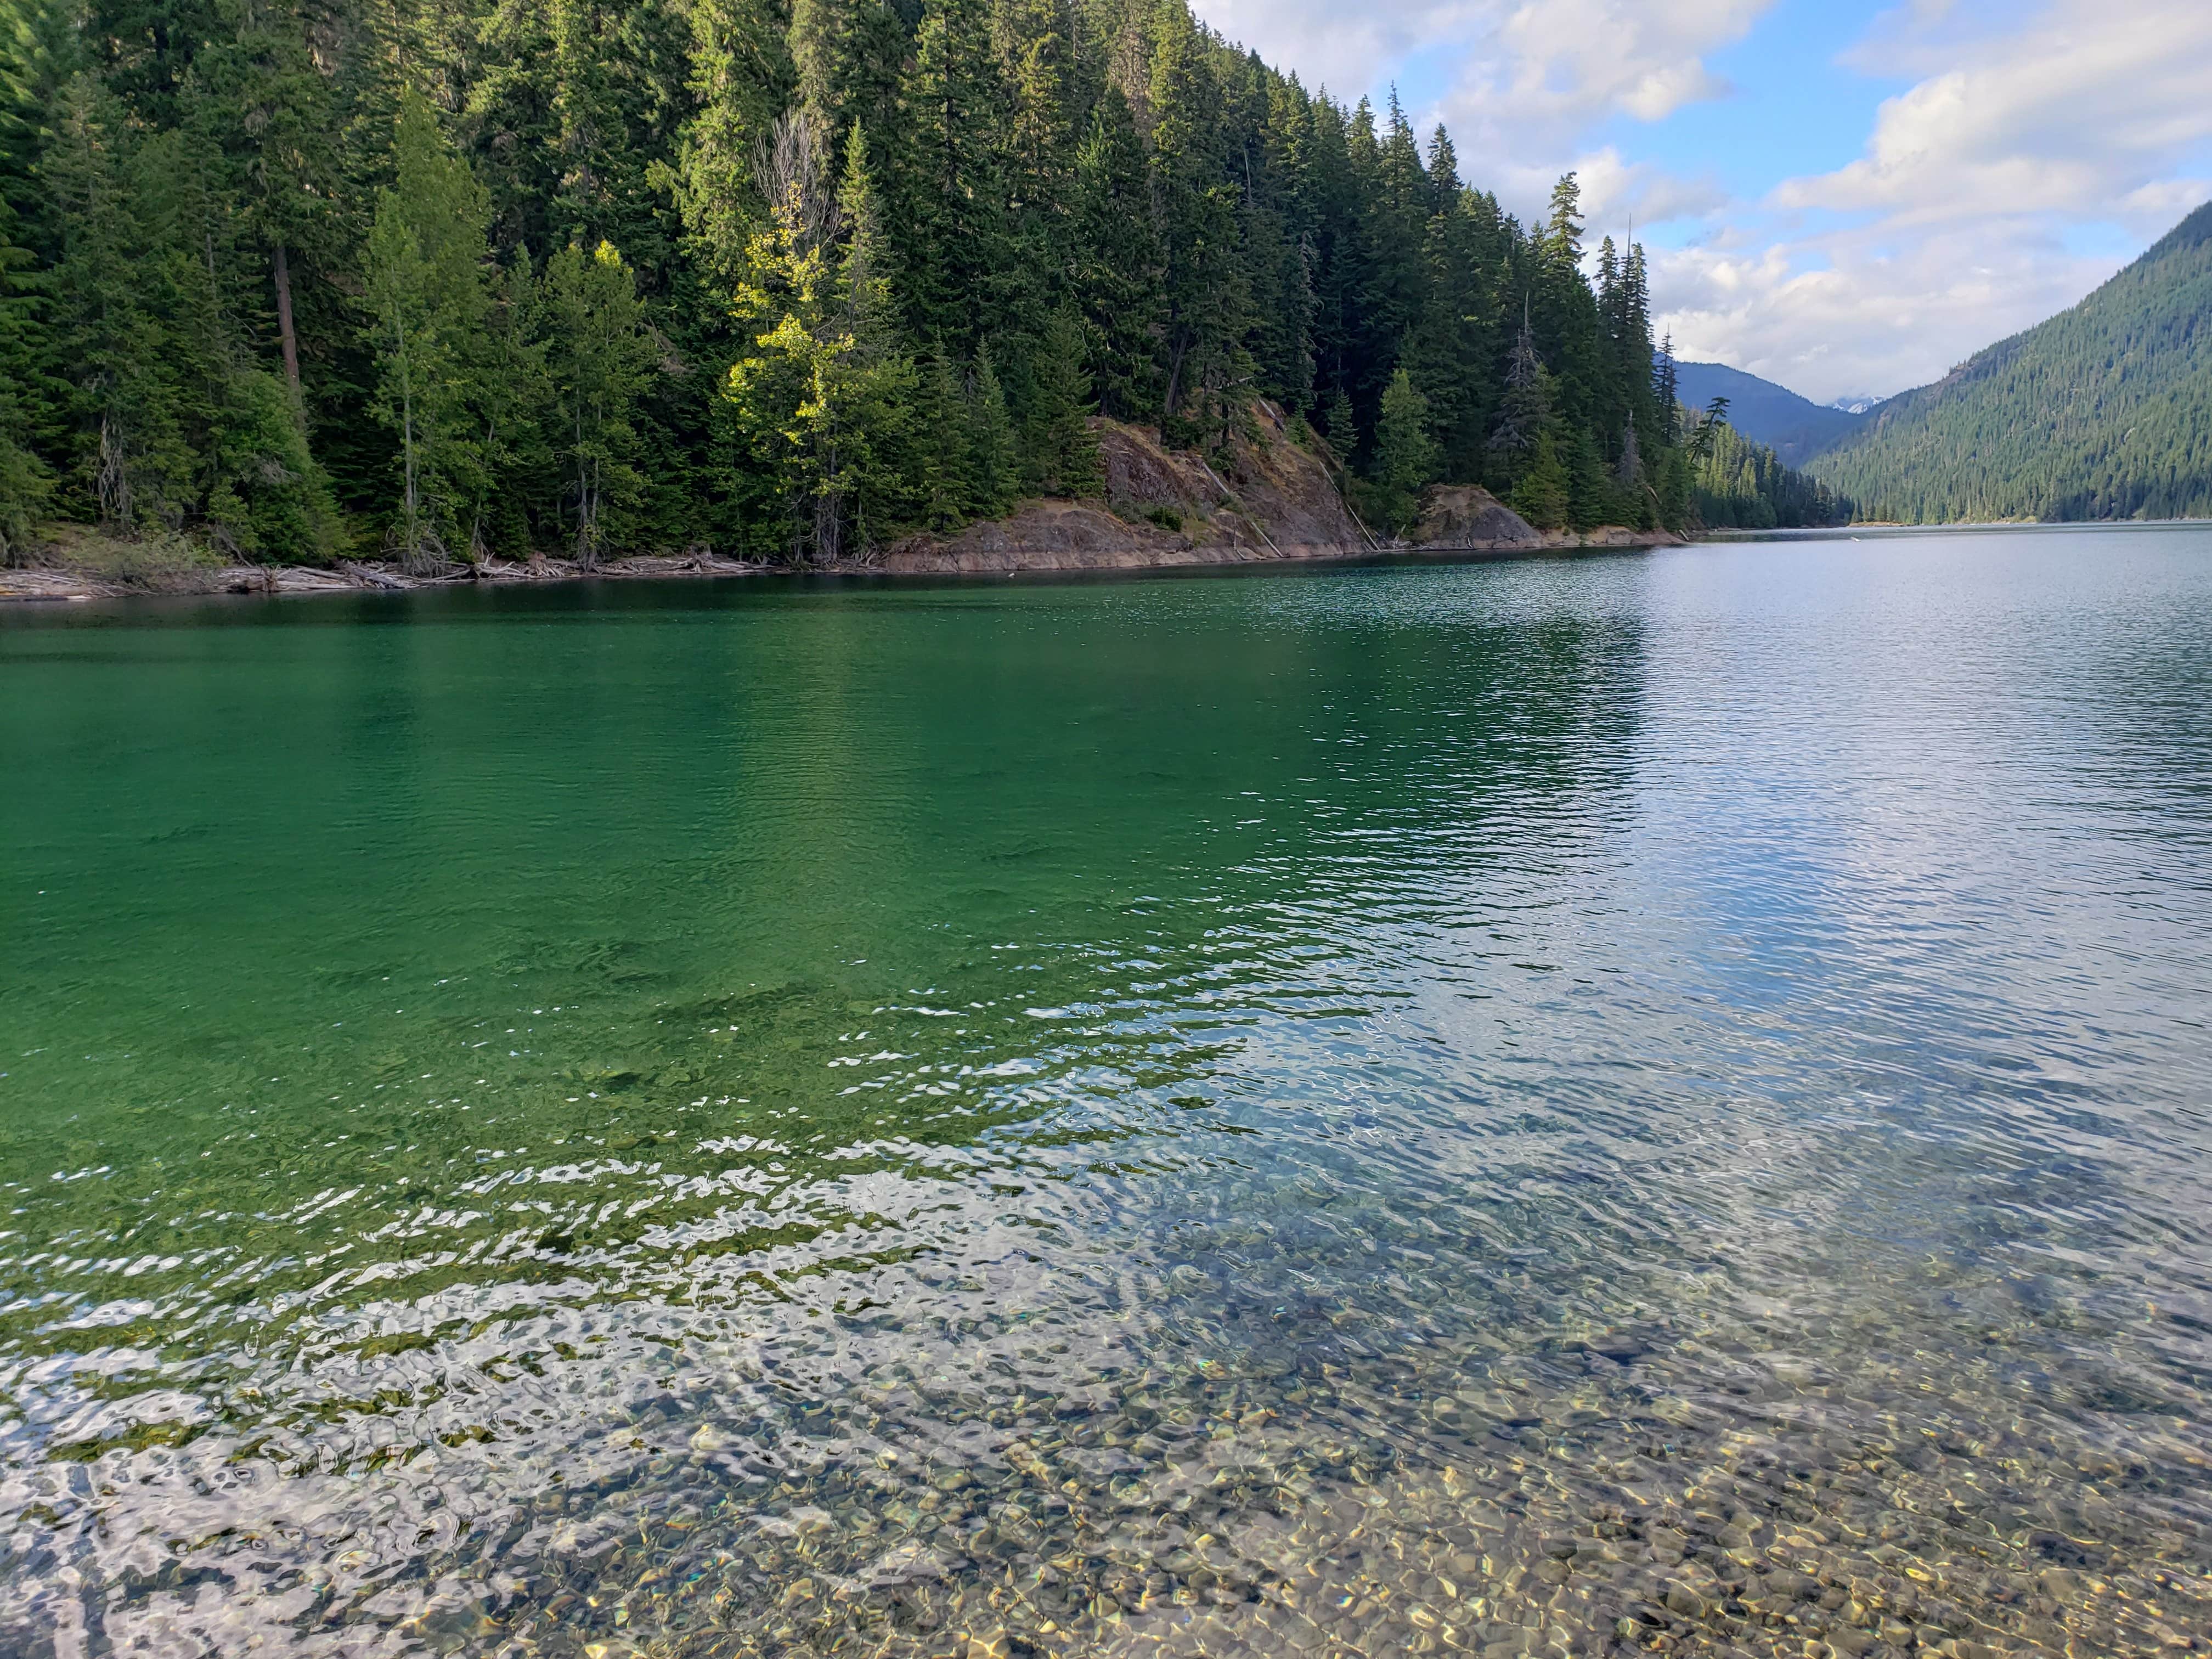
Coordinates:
(1590,492)
(847,55)
(430,295)
(1631,490)
(257,96)
(952,222)
(1454,346)
(25,485)
(1340,426)
(1278,240)
(1525,413)
(1676,503)
(1542,497)
(1206,293)
(1116,276)
(992,456)
(941,465)
(742,78)
(130,462)
(1401,208)
(1066,449)
(1404,454)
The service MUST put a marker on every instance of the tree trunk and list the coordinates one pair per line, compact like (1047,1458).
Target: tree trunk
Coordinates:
(282,267)
(1175,356)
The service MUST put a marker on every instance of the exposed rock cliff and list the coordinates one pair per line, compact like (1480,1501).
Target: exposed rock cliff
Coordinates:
(1266,499)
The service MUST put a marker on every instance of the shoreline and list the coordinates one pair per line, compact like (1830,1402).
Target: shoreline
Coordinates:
(62,585)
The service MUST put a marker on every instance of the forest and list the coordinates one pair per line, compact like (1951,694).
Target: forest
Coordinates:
(438,280)
(2105,411)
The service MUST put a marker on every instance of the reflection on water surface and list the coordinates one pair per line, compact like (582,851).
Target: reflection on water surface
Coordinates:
(1639,1104)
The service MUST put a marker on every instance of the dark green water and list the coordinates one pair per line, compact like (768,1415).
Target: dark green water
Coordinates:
(1548,1107)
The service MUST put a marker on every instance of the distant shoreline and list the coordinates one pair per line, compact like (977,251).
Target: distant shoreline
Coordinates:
(1979,527)
(62,585)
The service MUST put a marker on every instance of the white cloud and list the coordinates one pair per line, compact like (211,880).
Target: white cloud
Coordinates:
(1346,48)
(1848,315)
(1545,68)
(1566,63)
(1617,192)
(2030,130)
(1952,231)
(2091,104)
(1533,77)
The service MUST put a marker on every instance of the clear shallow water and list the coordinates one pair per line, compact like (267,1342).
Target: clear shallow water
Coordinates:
(1557,1107)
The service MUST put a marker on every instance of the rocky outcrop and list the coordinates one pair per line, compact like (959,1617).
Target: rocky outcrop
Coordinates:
(1265,498)
(1611,535)
(1465,518)
(1456,516)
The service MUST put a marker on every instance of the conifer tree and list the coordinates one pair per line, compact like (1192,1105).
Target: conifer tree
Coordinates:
(1525,414)
(1674,490)
(952,222)
(253,489)
(1340,425)
(1629,487)
(430,297)
(25,484)
(1065,448)
(257,95)
(1206,293)
(1117,263)
(1589,491)
(1566,318)
(991,448)
(131,463)
(942,470)
(1444,186)
(1404,454)
(1037,58)
(742,79)
(1542,497)
(1454,348)
(586,126)
(1399,215)
(848,55)
(1278,240)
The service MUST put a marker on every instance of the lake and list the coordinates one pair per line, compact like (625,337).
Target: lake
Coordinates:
(1539,1107)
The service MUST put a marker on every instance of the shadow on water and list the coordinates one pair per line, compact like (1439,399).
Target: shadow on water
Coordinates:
(1379,1113)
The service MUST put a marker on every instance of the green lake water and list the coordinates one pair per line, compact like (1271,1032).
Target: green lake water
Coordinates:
(1563,1107)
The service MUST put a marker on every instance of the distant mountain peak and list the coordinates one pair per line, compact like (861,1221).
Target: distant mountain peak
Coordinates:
(1795,429)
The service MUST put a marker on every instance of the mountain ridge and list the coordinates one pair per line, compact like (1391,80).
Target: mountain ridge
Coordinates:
(1795,428)
(2103,412)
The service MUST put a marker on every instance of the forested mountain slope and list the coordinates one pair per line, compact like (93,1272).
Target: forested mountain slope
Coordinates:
(1795,429)
(2103,412)
(790,279)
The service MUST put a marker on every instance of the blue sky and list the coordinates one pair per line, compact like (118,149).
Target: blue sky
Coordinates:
(1845,197)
